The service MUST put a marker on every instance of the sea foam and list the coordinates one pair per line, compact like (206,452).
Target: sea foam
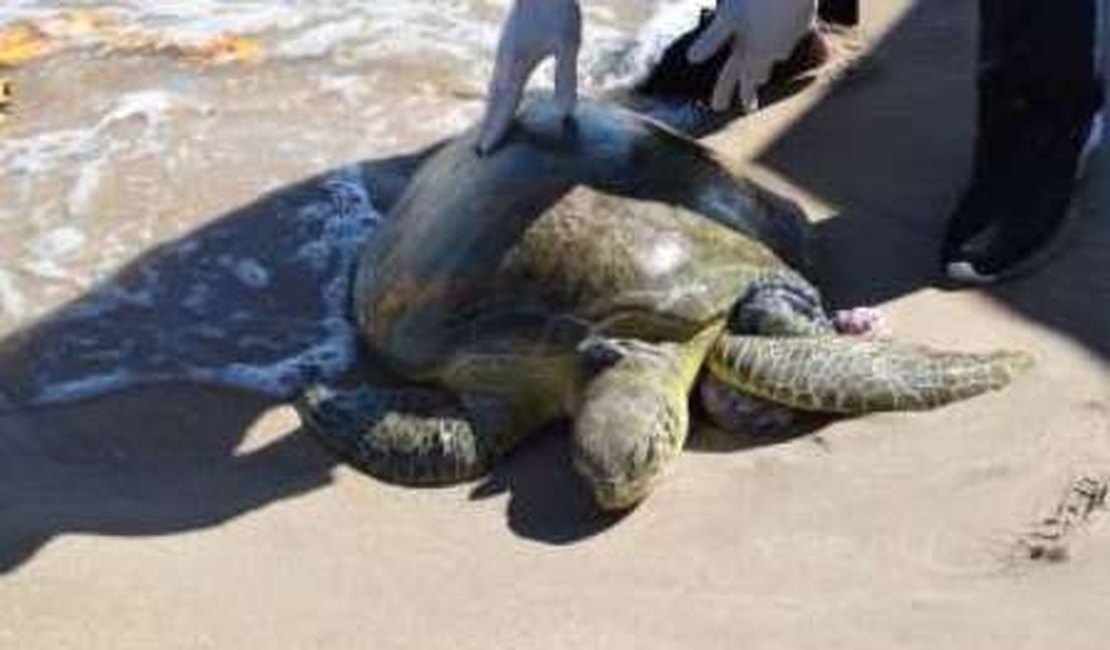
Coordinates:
(238,304)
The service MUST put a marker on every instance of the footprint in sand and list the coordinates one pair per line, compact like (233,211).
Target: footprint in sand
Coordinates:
(1050,539)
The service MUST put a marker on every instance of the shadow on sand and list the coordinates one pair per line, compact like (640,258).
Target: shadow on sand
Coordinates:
(150,461)
(163,459)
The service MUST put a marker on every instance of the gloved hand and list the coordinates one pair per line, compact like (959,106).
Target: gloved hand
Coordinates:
(535,30)
(760,33)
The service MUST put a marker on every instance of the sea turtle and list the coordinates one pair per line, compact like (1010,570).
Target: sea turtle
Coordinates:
(592,269)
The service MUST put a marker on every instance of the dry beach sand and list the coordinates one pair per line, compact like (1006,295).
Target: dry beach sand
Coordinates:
(187,517)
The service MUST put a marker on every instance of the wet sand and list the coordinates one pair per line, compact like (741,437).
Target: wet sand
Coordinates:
(187,517)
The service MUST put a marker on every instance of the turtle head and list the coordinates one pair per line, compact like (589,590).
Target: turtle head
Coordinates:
(624,436)
(634,418)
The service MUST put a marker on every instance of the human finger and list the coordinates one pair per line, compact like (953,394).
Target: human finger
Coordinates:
(506,90)
(710,42)
(728,82)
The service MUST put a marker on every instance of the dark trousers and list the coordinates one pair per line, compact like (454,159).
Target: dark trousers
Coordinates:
(1037,81)
(1050,39)
(1036,38)
(840,12)
(1045,36)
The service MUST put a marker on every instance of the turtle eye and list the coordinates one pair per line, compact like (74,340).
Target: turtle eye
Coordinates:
(600,353)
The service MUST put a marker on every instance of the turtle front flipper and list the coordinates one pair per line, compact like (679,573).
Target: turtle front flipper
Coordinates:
(409,436)
(635,416)
(848,375)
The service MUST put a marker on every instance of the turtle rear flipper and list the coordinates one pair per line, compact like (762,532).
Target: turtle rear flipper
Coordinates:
(840,374)
(409,436)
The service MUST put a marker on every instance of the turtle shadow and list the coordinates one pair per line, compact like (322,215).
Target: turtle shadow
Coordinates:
(152,461)
(159,452)
(548,502)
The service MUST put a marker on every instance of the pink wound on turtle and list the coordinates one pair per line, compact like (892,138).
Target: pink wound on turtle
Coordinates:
(868,322)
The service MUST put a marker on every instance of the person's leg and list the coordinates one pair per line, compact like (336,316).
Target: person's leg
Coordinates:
(1040,97)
